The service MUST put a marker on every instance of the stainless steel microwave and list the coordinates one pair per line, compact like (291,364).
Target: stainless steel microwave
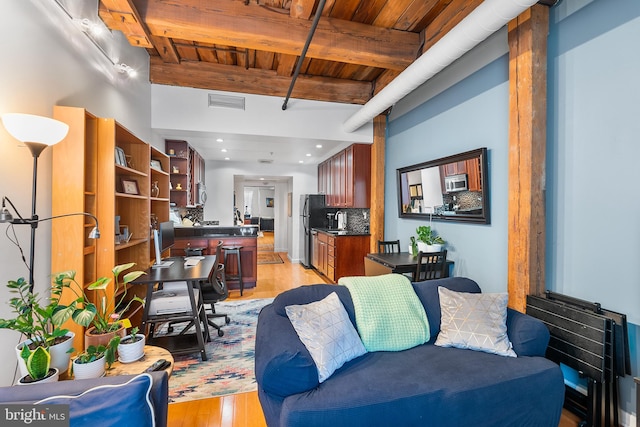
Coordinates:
(455,183)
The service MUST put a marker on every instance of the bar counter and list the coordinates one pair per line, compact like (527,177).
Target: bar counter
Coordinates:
(207,237)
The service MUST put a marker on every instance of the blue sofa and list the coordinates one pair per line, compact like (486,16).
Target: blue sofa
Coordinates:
(424,385)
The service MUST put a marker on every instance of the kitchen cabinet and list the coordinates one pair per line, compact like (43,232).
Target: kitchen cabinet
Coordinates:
(324,178)
(248,253)
(345,178)
(474,174)
(470,167)
(336,256)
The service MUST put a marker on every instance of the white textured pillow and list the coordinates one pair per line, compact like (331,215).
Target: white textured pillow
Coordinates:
(325,329)
(474,321)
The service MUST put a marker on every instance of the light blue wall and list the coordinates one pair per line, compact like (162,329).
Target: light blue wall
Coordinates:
(469,115)
(593,162)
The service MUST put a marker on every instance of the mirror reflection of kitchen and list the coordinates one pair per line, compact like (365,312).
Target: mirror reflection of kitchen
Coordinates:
(444,190)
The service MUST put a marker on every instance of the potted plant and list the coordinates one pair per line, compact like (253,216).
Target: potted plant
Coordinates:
(89,363)
(131,347)
(35,322)
(104,319)
(38,363)
(428,240)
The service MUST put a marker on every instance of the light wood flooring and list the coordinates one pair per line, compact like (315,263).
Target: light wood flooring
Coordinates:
(243,410)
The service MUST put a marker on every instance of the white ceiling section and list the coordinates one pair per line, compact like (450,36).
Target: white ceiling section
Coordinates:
(262,130)
(485,20)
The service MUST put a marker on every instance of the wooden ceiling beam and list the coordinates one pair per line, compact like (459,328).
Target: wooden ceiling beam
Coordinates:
(234,23)
(124,17)
(256,81)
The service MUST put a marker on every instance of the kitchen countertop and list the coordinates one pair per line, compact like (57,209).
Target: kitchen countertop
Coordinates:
(336,232)
(216,231)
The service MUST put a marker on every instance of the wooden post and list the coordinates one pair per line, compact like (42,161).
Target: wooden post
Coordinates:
(376,220)
(527,140)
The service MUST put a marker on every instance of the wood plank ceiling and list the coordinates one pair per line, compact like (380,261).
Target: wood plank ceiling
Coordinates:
(252,46)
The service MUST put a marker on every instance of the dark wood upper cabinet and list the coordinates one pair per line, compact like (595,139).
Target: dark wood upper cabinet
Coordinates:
(345,178)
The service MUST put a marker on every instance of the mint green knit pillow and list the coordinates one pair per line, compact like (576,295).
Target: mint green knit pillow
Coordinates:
(389,314)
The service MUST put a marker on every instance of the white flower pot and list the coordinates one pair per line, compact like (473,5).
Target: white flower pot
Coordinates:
(59,353)
(423,247)
(93,369)
(50,379)
(59,356)
(131,351)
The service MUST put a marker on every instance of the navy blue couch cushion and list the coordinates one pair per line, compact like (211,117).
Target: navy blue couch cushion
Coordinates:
(429,385)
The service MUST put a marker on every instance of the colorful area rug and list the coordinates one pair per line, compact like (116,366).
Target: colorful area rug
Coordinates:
(269,258)
(230,365)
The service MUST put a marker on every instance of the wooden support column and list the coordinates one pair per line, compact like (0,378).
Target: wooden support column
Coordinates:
(376,220)
(527,140)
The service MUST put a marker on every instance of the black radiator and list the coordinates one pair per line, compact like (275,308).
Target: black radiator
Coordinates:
(594,342)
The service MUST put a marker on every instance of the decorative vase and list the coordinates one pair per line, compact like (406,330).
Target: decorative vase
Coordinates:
(423,247)
(52,377)
(93,369)
(101,339)
(131,351)
(59,356)
(155,190)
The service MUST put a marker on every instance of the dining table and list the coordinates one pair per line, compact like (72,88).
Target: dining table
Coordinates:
(376,264)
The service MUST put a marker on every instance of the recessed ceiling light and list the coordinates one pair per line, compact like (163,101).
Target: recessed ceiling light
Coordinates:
(308,154)
(224,150)
(301,161)
(219,140)
(261,179)
(226,158)
(318,145)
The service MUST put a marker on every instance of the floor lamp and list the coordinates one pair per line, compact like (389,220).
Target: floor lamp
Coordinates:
(37,133)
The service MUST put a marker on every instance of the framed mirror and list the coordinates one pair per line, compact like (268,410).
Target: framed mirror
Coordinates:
(454,188)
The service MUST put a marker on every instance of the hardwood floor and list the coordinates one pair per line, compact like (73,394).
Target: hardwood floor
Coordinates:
(243,410)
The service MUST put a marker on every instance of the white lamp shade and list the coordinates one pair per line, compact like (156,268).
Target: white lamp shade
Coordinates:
(30,128)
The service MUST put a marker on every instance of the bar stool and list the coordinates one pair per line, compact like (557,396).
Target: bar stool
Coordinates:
(234,250)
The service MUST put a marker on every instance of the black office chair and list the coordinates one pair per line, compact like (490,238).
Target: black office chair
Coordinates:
(213,290)
(388,246)
(431,265)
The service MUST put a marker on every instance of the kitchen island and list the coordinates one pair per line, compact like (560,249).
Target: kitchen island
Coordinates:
(206,238)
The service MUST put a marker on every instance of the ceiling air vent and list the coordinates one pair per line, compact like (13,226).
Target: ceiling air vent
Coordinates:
(265,161)
(226,101)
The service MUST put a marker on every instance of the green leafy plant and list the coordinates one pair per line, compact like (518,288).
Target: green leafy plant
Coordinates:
(93,353)
(33,319)
(128,339)
(38,361)
(428,236)
(105,317)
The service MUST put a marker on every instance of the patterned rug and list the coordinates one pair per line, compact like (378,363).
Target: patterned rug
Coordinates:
(230,365)
(269,258)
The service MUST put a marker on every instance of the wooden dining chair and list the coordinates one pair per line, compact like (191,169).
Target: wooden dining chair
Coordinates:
(431,265)
(388,246)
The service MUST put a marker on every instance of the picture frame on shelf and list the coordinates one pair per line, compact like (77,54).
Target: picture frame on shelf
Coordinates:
(121,158)
(156,164)
(130,186)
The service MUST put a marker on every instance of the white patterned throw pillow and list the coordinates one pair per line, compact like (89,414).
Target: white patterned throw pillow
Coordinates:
(326,331)
(474,321)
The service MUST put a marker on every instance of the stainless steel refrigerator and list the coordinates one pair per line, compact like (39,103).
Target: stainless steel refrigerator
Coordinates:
(312,215)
